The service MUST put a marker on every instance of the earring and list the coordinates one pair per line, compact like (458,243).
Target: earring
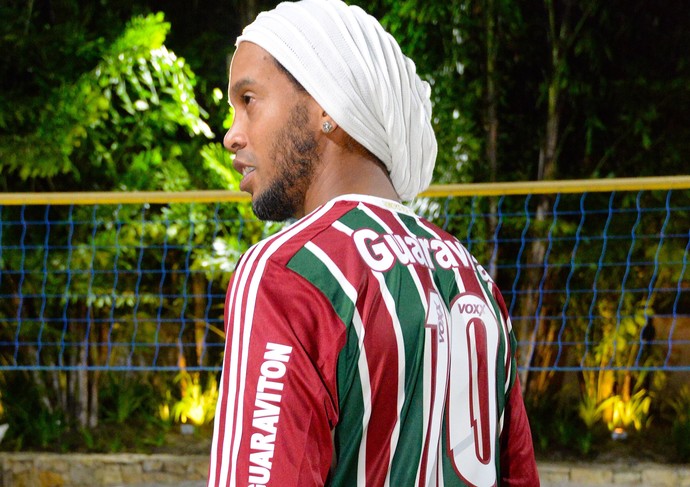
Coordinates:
(327,127)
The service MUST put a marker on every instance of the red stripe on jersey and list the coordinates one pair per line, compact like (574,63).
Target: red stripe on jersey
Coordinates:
(505,330)
(380,344)
(471,282)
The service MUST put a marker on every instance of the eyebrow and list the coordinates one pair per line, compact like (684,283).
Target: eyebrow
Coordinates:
(240,85)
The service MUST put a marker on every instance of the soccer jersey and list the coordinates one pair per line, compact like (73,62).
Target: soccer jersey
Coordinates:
(366,347)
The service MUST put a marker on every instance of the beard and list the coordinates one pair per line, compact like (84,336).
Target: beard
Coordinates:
(294,152)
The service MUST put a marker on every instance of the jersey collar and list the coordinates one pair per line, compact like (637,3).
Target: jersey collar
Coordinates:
(385,203)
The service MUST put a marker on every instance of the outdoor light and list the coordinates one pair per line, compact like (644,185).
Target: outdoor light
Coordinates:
(619,433)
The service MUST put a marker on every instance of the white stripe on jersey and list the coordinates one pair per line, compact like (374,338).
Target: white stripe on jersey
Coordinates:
(249,258)
(233,427)
(246,284)
(335,271)
(440,479)
(427,399)
(341,227)
(363,368)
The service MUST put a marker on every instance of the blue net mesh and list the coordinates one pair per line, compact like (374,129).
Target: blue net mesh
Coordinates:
(592,280)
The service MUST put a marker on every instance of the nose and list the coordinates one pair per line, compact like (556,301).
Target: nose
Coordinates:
(234,139)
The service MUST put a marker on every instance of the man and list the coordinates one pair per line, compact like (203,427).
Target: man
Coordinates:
(365,346)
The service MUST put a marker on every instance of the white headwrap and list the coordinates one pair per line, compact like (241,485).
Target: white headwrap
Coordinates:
(356,71)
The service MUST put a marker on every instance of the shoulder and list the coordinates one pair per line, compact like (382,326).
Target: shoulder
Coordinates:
(280,249)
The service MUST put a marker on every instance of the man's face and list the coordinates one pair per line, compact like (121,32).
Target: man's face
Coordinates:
(272,135)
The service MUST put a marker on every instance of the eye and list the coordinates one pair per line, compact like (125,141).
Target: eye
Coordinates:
(246,99)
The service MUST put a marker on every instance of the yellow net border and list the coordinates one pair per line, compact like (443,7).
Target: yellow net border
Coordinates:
(441,190)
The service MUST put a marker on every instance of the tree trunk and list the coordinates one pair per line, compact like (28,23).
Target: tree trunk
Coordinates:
(562,34)
(199,290)
(82,389)
(98,357)
(528,308)
(491,119)
(546,171)
(249,11)
(29,15)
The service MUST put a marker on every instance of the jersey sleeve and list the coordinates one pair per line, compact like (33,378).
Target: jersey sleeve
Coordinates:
(278,396)
(518,467)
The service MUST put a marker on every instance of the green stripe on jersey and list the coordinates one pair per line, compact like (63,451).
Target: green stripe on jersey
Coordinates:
(357,219)
(307,265)
(349,430)
(410,311)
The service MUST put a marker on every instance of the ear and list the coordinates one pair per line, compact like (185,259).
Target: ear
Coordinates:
(327,123)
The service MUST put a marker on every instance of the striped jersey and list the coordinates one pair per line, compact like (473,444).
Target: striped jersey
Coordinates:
(366,347)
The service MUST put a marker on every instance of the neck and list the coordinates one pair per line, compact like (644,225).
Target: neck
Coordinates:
(348,172)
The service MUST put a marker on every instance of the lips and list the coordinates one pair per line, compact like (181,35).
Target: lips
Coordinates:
(245,170)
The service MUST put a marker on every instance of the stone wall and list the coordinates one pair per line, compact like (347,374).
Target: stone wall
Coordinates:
(75,470)
(616,475)
(92,470)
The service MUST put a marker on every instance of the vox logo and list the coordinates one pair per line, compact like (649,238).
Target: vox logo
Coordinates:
(471,308)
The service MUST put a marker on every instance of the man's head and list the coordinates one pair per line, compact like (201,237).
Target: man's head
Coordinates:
(272,135)
(346,70)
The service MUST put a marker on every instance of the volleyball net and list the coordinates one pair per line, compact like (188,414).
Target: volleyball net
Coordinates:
(596,274)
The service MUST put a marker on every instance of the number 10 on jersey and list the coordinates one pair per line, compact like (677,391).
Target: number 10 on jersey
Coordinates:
(464,352)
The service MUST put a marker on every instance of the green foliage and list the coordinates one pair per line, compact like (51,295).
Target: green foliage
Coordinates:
(679,405)
(617,396)
(197,403)
(128,414)
(33,422)
(119,125)
(557,424)
(680,436)
(126,398)
(590,411)
(219,162)
(128,419)
(621,103)
(630,412)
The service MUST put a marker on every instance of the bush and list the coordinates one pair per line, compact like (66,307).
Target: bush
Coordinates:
(33,423)
(680,426)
